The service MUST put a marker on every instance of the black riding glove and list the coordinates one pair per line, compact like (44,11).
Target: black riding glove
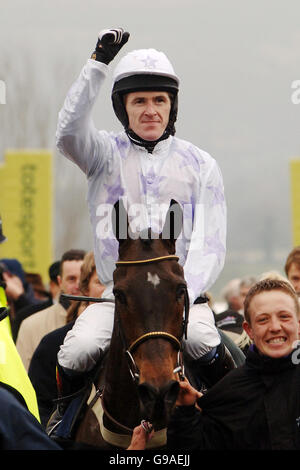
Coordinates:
(109,43)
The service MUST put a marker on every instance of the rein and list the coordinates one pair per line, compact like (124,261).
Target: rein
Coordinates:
(83,298)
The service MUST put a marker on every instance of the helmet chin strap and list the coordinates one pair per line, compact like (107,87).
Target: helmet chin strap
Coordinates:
(147,144)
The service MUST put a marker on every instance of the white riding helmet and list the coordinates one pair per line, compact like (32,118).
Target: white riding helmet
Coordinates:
(144,69)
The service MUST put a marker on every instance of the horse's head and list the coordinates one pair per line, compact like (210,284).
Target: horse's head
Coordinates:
(150,300)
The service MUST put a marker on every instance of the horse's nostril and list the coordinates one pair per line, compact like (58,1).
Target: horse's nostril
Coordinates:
(157,402)
(147,393)
(170,393)
(148,397)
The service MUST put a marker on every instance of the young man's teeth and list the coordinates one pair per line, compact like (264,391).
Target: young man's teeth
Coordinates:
(277,340)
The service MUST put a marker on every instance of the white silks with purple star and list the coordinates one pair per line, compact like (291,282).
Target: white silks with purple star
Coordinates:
(116,168)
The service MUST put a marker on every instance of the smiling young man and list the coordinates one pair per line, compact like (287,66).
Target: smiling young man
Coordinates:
(256,406)
(147,167)
(272,321)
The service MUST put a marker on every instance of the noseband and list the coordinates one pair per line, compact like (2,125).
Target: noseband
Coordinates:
(133,369)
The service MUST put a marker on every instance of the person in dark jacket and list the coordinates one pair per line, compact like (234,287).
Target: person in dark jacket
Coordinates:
(19,429)
(52,297)
(19,291)
(256,406)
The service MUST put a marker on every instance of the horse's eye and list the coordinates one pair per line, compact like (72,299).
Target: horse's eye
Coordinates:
(180,291)
(119,296)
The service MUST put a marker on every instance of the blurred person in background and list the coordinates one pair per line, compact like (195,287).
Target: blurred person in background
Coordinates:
(53,272)
(231,320)
(36,282)
(36,326)
(292,268)
(245,285)
(19,292)
(45,297)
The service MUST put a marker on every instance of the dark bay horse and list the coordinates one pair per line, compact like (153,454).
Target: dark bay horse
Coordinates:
(145,359)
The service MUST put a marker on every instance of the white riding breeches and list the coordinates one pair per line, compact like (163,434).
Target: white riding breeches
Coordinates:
(91,334)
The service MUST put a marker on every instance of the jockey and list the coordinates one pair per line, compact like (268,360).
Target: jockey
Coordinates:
(146,166)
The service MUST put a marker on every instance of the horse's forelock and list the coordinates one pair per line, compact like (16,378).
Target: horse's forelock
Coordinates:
(146,236)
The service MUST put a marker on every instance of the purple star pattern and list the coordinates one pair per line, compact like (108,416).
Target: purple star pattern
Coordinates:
(213,245)
(151,182)
(190,158)
(110,248)
(144,183)
(156,184)
(149,62)
(122,145)
(195,281)
(114,191)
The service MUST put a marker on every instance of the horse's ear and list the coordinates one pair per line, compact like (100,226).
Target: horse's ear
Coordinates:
(173,223)
(120,222)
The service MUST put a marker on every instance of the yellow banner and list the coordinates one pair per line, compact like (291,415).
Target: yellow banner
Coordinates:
(26,208)
(295,194)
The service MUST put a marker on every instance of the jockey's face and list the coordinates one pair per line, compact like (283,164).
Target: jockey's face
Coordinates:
(69,279)
(148,113)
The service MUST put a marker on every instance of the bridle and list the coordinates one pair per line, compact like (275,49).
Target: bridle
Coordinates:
(177,342)
(133,369)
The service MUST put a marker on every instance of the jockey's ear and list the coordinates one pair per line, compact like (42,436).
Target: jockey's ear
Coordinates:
(173,222)
(120,222)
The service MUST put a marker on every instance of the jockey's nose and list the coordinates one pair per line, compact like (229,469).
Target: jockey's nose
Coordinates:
(150,108)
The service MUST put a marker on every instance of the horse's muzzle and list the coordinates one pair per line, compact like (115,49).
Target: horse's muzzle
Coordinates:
(156,404)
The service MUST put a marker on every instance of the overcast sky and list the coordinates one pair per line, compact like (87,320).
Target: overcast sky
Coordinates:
(236,60)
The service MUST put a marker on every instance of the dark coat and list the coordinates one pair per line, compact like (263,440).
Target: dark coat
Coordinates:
(42,370)
(19,429)
(256,406)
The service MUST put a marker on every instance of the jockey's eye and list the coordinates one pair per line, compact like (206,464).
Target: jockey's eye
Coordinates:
(119,296)
(180,291)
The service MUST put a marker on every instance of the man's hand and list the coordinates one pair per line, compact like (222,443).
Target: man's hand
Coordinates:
(110,41)
(187,395)
(14,286)
(140,437)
